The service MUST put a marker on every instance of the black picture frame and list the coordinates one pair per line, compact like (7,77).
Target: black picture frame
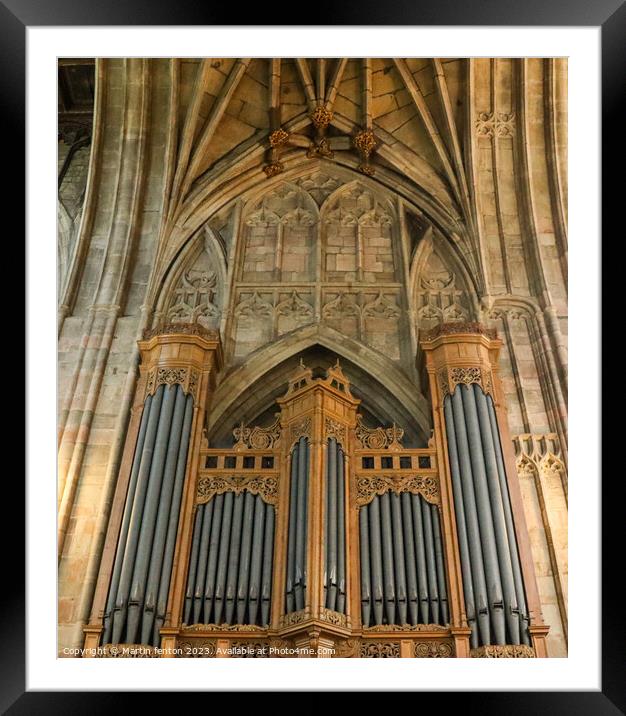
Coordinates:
(17,15)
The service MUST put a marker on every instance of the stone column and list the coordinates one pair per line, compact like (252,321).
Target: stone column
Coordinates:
(490,559)
(178,368)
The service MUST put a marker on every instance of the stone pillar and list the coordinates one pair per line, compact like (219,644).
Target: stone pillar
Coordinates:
(176,355)
(488,549)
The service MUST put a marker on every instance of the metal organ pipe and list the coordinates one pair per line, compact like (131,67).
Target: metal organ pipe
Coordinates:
(222,562)
(431,564)
(244,560)
(234,584)
(254,585)
(128,507)
(376,564)
(485,518)
(398,558)
(510,527)
(420,547)
(341,531)
(295,578)
(331,521)
(402,567)
(389,583)
(366,594)
(233,558)
(410,559)
(471,514)
(459,508)
(198,594)
(299,576)
(148,518)
(266,575)
(142,567)
(211,571)
(439,562)
(334,518)
(172,527)
(511,610)
(163,516)
(291,539)
(492,576)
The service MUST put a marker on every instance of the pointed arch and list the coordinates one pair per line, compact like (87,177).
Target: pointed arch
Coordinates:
(388,392)
(199,266)
(441,288)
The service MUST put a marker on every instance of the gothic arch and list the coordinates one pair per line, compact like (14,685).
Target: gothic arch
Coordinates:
(247,387)
(441,288)
(234,181)
(193,286)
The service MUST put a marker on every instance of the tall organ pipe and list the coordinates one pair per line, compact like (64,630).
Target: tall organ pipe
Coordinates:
(143,563)
(441,572)
(366,595)
(402,566)
(163,517)
(254,591)
(129,546)
(296,575)
(237,552)
(193,563)
(431,562)
(130,496)
(244,560)
(471,514)
(222,564)
(214,547)
(422,570)
(511,611)
(148,518)
(334,528)
(410,559)
(233,558)
(376,561)
(484,520)
(198,595)
(299,581)
(389,583)
(331,519)
(290,603)
(398,558)
(510,526)
(341,531)
(172,528)
(266,575)
(459,508)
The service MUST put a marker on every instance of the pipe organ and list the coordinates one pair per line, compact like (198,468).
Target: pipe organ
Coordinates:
(318,535)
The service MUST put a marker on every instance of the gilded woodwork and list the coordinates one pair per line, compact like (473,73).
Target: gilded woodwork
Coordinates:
(367,487)
(266,486)
(433,649)
(508,651)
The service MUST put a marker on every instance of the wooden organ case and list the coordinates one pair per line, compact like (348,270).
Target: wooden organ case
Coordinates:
(322,536)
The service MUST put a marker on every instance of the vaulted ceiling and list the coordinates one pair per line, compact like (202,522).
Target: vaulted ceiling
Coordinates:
(403,115)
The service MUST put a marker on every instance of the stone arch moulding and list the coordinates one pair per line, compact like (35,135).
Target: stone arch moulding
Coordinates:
(228,393)
(217,192)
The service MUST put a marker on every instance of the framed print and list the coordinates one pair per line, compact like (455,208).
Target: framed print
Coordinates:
(310,333)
